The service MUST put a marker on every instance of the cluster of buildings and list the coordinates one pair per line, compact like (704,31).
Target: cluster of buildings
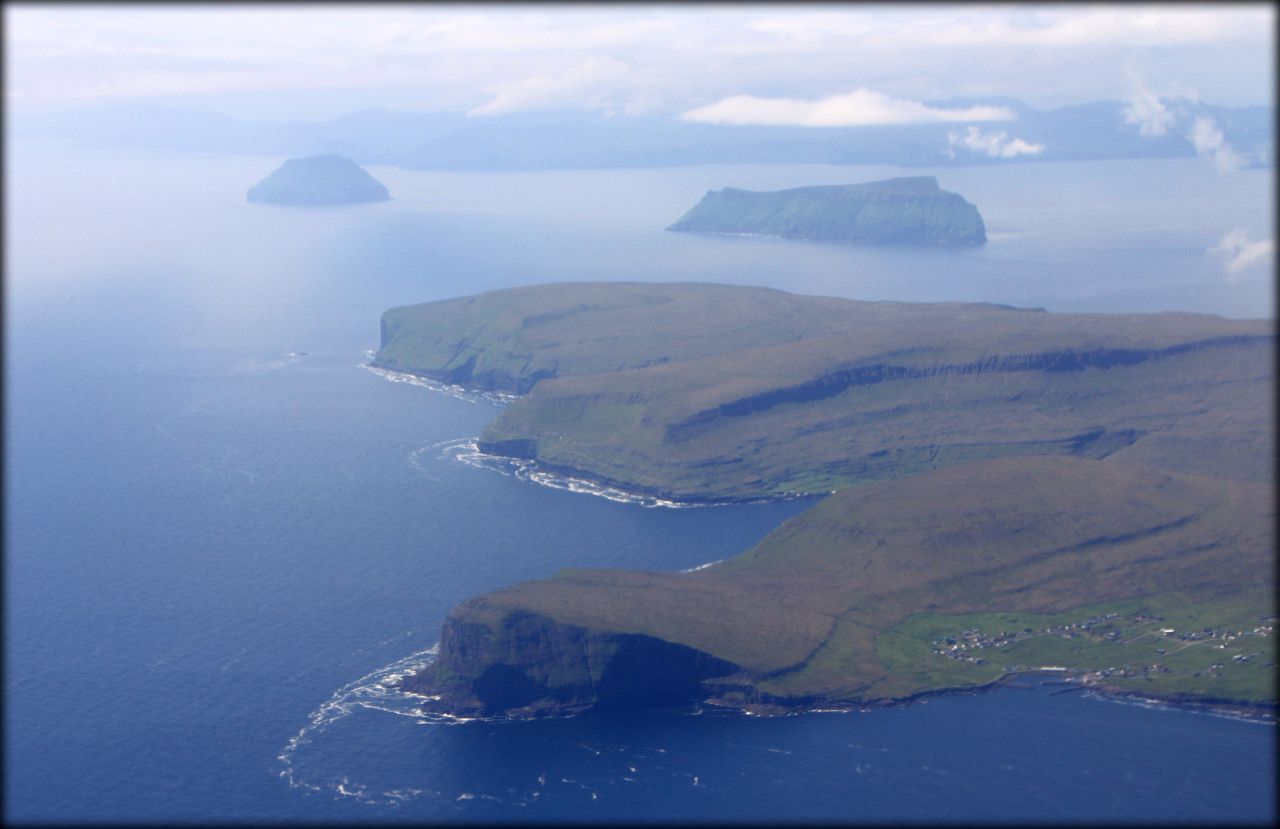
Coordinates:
(967,645)
(960,646)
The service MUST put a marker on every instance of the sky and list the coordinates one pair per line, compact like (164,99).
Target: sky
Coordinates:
(787,64)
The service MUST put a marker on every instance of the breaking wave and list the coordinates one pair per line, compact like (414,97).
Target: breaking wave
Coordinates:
(467,451)
(1155,704)
(377,691)
(455,391)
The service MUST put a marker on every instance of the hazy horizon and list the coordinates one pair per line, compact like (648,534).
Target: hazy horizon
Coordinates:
(273,463)
(759,64)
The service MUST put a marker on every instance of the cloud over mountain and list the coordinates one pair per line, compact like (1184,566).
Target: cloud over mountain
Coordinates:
(996,144)
(860,108)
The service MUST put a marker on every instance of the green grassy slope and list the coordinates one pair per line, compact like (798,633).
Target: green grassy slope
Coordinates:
(896,211)
(509,340)
(1173,644)
(829,606)
(717,392)
(709,429)
(985,460)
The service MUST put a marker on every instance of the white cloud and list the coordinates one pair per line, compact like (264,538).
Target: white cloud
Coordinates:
(1238,253)
(1212,144)
(490,59)
(1144,108)
(859,108)
(592,84)
(995,144)
(1156,116)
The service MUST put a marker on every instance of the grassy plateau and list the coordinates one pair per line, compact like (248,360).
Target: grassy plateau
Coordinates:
(1012,489)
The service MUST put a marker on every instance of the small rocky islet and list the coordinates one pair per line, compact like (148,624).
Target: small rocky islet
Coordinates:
(318,180)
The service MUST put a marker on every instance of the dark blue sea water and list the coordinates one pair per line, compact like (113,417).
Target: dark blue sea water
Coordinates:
(221,531)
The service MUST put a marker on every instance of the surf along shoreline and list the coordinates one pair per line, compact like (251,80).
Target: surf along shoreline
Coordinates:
(567,478)
(555,476)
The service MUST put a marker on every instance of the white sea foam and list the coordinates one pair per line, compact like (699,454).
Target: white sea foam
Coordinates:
(467,451)
(379,691)
(702,566)
(261,365)
(459,392)
(1153,704)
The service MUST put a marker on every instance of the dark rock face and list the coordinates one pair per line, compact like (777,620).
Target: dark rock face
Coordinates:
(800,620)
(835,383)
(521,448)
(524,664)
(899,211)
(318,180)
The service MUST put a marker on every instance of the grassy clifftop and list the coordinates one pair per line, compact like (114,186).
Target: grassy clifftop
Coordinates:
(828,608)
(509,340)
(695,392)
(1049,484)
(904,211)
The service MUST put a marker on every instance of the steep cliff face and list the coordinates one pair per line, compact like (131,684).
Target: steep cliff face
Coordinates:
(837,382)
(513,662)
(810,616)
(900,211)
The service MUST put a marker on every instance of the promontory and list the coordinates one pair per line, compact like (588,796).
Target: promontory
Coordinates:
(318,180)
(897,211)
(1005,490)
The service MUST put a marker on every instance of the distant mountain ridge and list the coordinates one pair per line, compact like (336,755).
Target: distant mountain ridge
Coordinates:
(554,140)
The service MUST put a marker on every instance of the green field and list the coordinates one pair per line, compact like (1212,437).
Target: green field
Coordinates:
(1165,645)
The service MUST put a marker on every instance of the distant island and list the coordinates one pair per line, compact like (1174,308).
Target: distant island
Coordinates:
(1014,490)
(318,180)
(897,211)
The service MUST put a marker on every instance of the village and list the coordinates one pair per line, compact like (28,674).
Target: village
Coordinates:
(979,648)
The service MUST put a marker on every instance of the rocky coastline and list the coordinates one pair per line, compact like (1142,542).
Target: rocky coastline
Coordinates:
(1036,479)
(438,699)
(525,452)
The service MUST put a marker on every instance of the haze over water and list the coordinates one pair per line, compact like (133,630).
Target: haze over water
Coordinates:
(218,522)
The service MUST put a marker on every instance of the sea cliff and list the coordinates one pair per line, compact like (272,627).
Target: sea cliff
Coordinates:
(1005,481)
(830,610)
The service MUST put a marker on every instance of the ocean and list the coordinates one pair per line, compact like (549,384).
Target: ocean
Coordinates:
(224,534)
